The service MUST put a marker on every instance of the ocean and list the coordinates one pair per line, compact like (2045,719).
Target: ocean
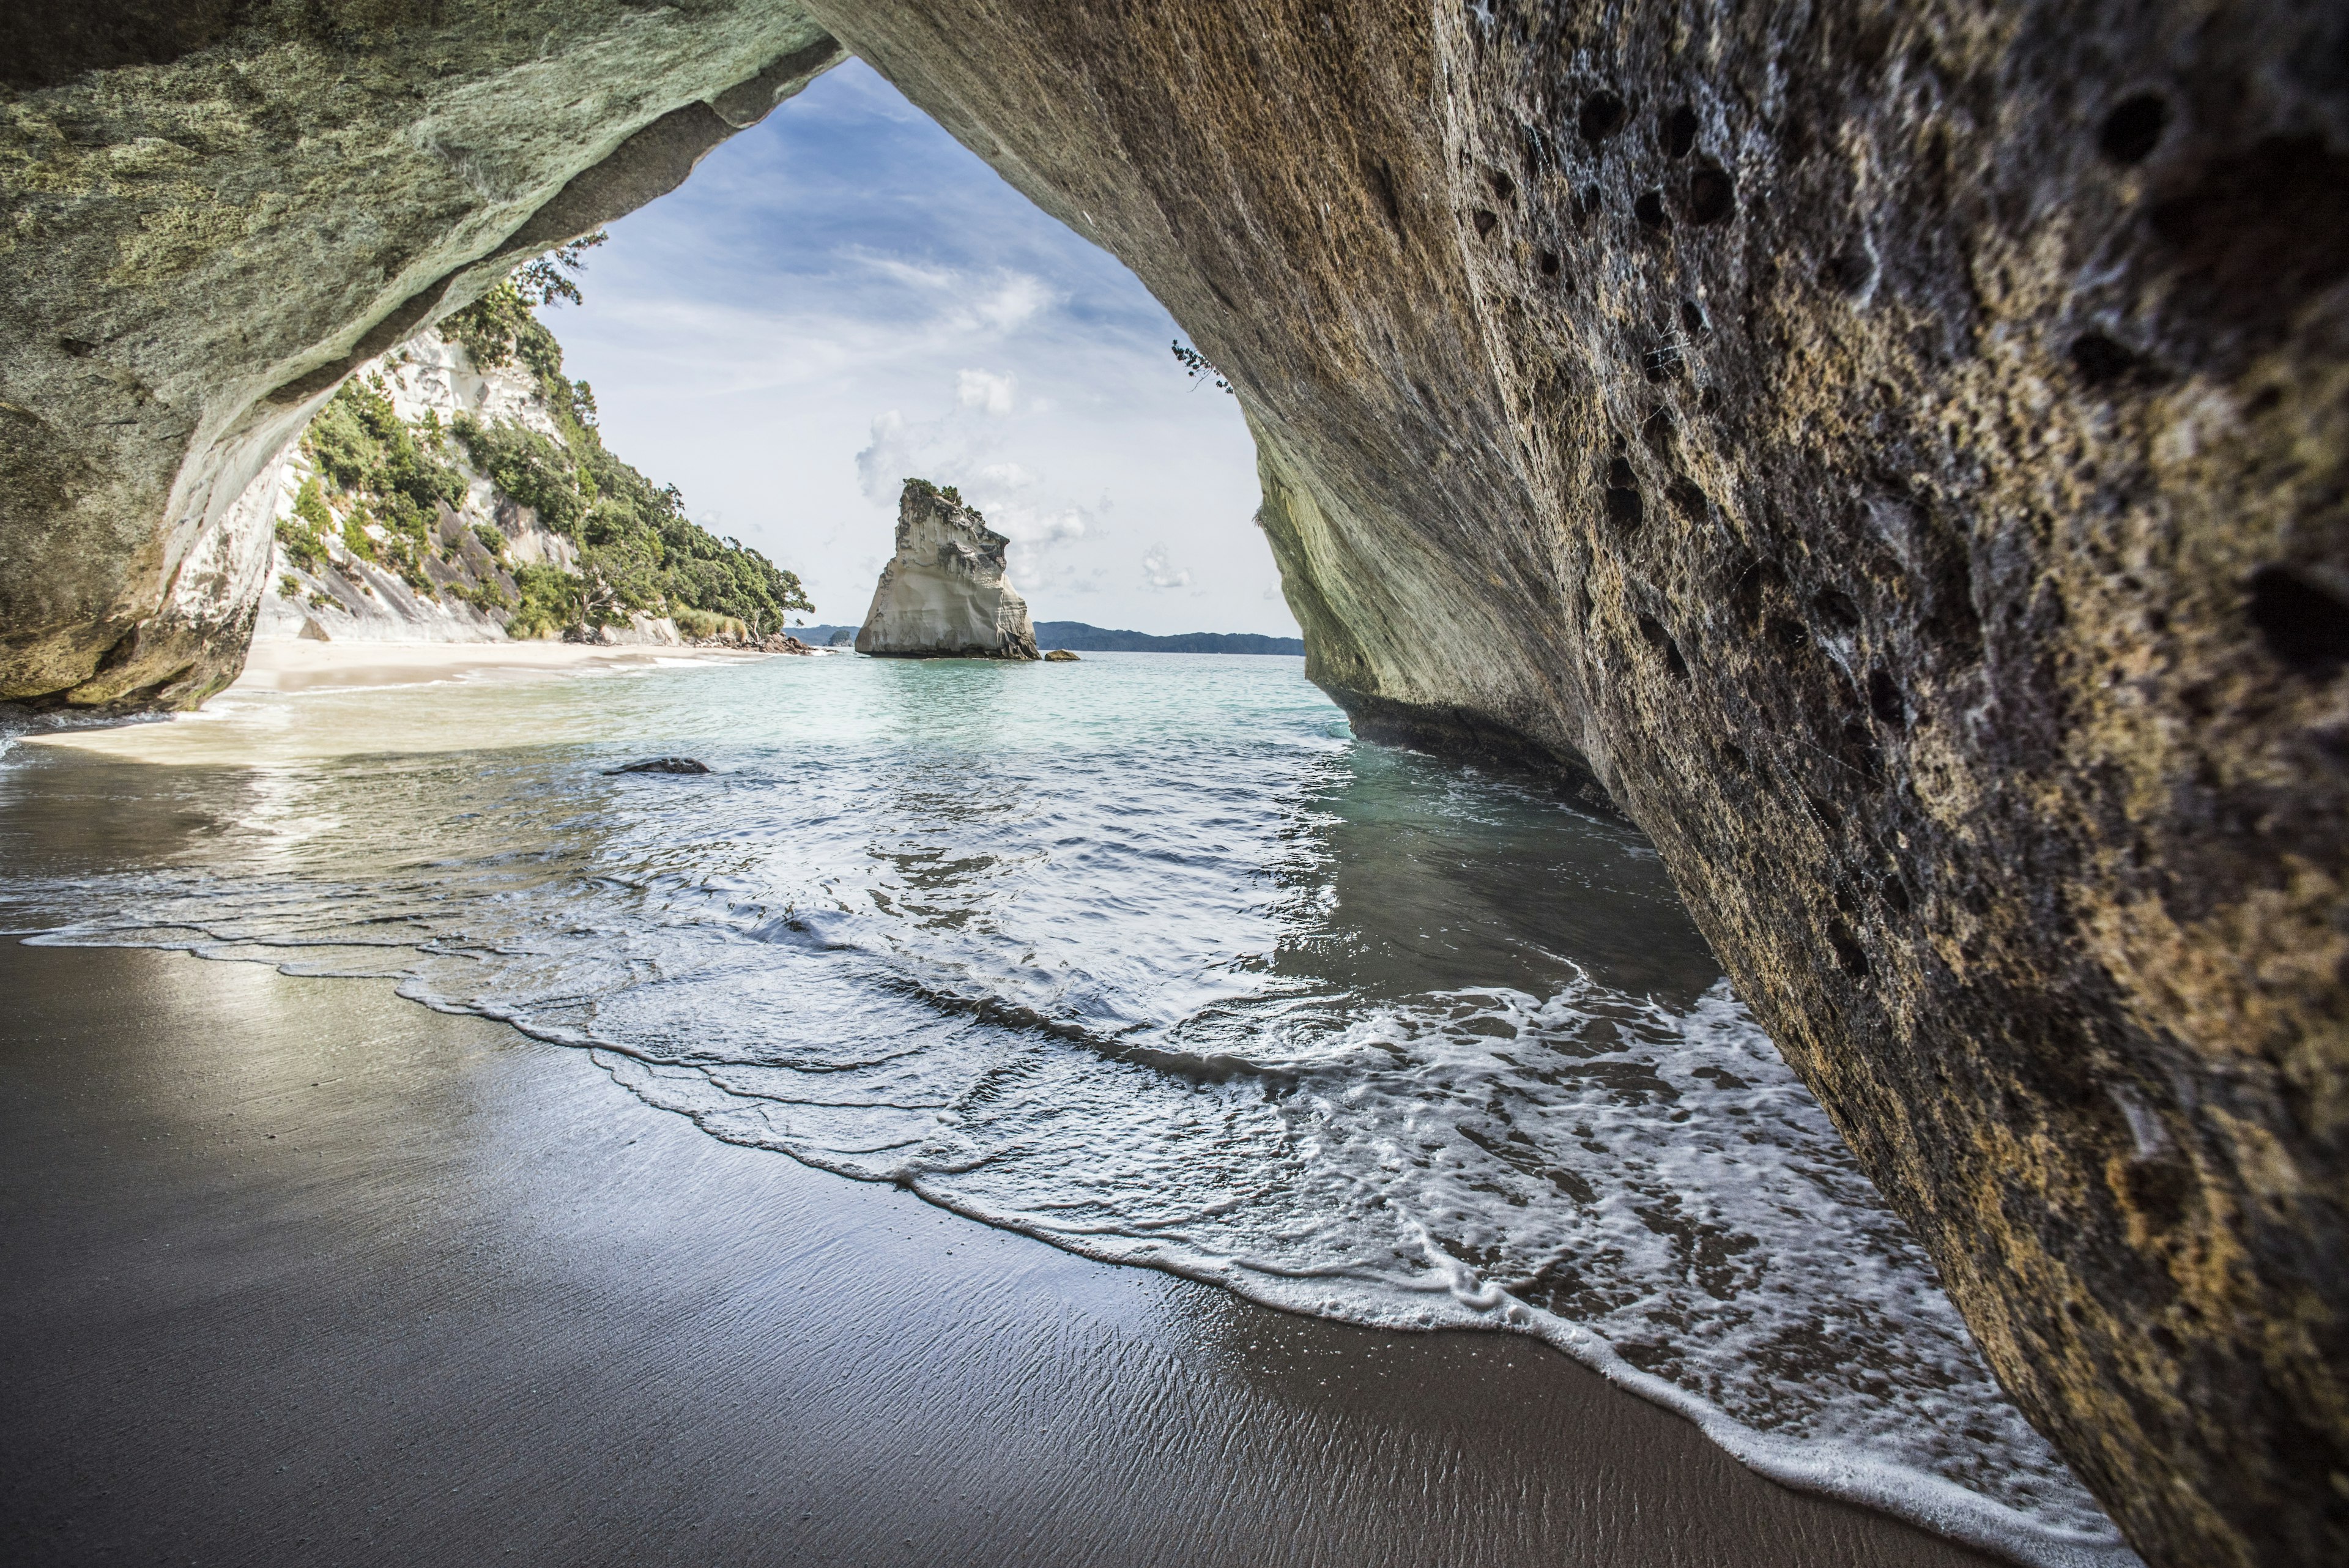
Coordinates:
(1144,956)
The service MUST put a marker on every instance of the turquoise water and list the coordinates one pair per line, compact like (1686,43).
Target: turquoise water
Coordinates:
(1144,956)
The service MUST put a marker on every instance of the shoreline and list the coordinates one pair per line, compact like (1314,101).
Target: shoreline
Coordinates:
(306,1272)
(300,665)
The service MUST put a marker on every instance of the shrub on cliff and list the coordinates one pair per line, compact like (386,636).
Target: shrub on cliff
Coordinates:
(303,536)
(359,441)
(552,600)
(528,467)
(640,550)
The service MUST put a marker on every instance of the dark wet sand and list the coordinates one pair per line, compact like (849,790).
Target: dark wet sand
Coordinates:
(291,1271)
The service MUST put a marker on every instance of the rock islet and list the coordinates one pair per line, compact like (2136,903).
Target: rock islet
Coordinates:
(946,593)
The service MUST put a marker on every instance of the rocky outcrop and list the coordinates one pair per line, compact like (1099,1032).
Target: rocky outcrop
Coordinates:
(1896,452)
(215,212)
(945,594)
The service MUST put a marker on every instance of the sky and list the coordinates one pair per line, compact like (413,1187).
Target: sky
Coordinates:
(843,297)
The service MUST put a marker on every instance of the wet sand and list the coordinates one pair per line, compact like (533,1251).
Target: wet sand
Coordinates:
(291,1271)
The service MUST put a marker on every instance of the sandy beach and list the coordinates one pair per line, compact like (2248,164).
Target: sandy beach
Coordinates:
(304,665)
(298,1271)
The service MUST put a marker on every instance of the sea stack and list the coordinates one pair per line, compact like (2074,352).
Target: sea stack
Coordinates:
(945,594)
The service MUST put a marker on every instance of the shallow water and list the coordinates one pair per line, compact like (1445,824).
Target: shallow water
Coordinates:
(1144,956)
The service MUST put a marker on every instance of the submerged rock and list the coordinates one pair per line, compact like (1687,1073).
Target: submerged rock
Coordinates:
(945,595)
(660,765)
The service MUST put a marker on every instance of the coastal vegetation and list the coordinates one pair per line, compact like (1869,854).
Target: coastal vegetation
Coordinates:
(639,550)
(387,492)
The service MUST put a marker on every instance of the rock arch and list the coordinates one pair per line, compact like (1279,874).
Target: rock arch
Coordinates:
(1896,451)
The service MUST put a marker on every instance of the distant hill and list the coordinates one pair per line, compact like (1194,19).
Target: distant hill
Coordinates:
(1079,637)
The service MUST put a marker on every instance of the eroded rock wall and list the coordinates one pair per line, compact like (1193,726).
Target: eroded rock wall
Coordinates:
(1900,451)
(215,210)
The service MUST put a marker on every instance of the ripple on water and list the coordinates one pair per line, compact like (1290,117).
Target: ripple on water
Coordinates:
(1153,964)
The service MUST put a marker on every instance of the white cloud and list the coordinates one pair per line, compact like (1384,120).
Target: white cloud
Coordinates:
(1027,525)
(1159,571)
(1014,301)
(985,390)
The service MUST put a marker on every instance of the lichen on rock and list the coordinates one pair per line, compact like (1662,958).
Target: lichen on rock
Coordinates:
(945,593)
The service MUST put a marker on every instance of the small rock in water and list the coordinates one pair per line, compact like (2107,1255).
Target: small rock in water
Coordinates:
(1061,656)
(661,765)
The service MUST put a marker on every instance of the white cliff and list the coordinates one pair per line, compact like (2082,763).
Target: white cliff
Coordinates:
(945,594)
(335,573)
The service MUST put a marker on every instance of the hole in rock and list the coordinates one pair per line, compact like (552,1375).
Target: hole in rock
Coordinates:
(1895,892)
(1691,317)
(1624,505)
(1549,263)
(1661,641)
(1586,201)
(2102,362)
(1484,221)
(1839,610)
(2258,233)
(1884,700)
(2302,624)
(1680,131)
(1791,635)
(1955,621)
(1601,116)
(1688,499)
(1754,587)
(1383,187)
(1649,209)
(1824,810)
(1851,269)
(1849,956)
(1712,197)
(1861,754)
(2132,130)
(1503,187)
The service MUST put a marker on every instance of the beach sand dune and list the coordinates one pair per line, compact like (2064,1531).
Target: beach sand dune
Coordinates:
(299,1273)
